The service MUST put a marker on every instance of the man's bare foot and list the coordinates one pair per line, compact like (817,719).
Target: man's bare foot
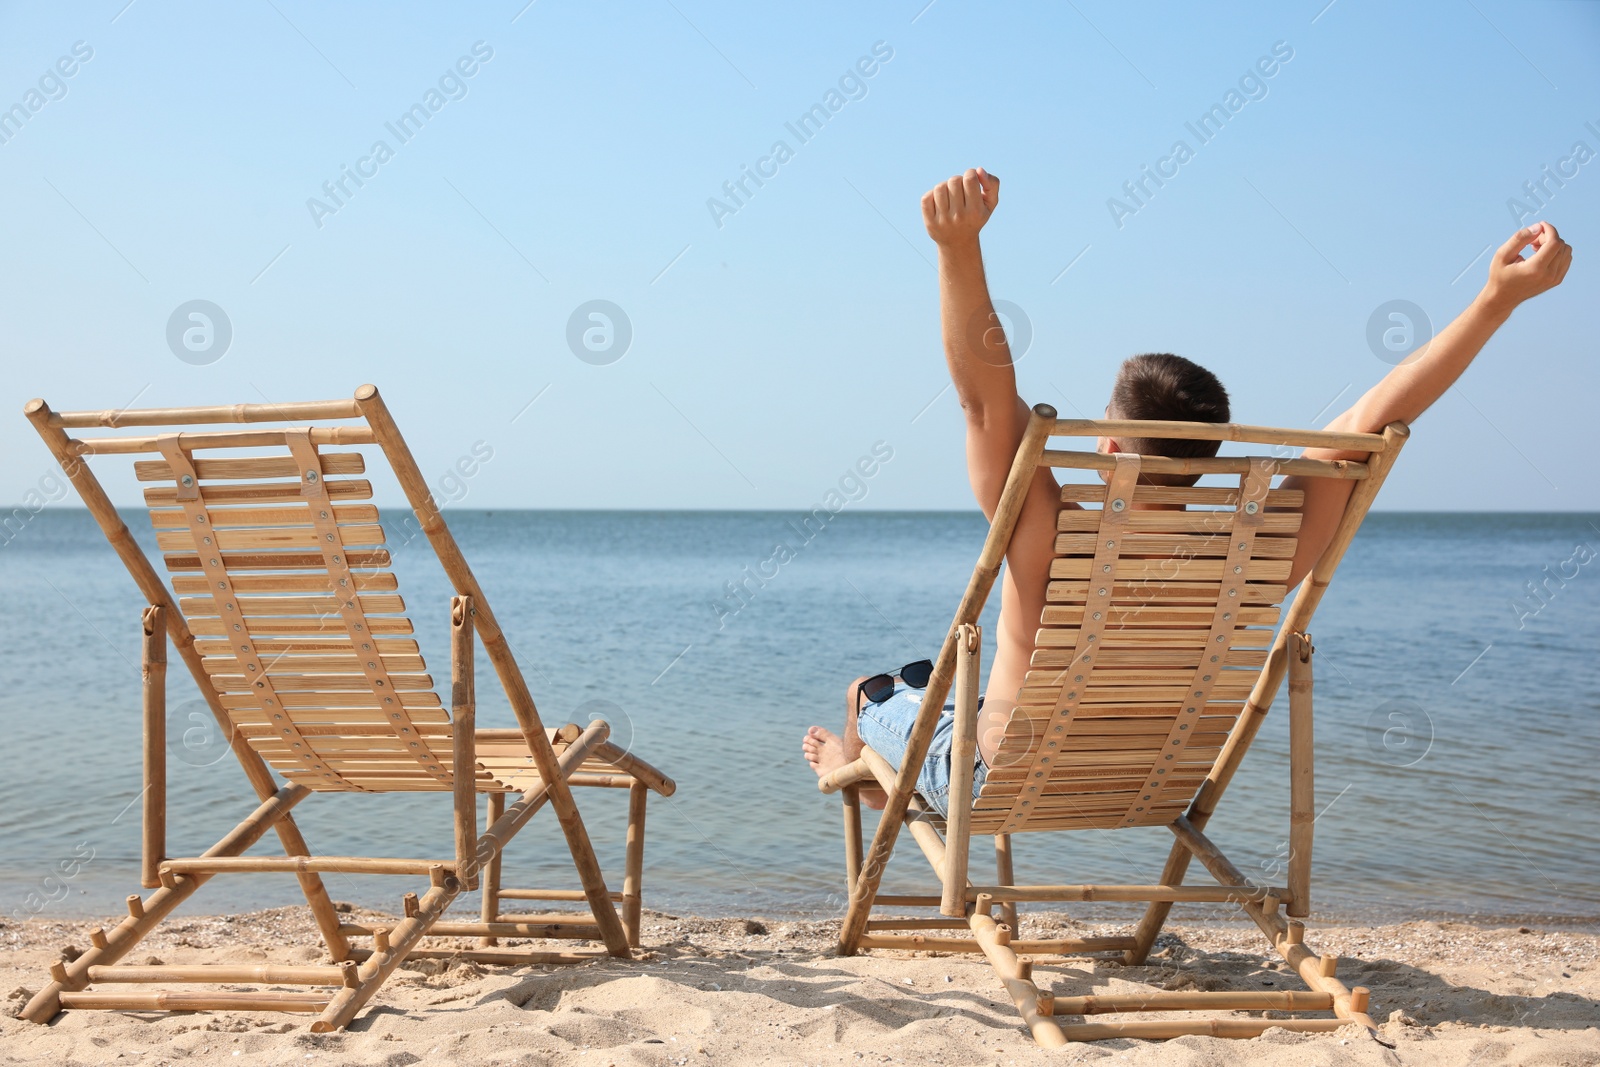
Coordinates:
(826,751)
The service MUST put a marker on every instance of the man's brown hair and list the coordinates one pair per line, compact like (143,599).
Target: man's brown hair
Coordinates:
(1161,386)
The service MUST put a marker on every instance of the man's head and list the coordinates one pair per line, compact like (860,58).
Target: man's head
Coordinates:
(1161,386)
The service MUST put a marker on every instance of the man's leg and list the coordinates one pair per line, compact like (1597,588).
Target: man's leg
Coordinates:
(826,751)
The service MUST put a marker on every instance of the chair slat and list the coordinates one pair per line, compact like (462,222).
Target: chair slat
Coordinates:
(336,703)
(364,558)
(292,515)
(261,492)
(1181,546)
(1190,496)
(291,682)
(311,645)
(1163,591)
(158,470)
(270,537)
(1189,522)
(381,582)
(271,624)
(262,606)
(1168,569)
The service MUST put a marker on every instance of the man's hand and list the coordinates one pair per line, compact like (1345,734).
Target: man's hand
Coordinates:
(1513,279)
(954,211)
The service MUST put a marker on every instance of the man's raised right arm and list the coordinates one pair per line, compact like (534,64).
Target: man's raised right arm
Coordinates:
(974,344)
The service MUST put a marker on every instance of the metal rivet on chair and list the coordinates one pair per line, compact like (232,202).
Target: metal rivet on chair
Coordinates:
(1243,544)
(200,518)
(1111,544)
(1118,504)
(1097,615)
(1233,592)
(311,476)
(1238,570)
(1102,591)
(1251,507)
(1105,568)
(186,481)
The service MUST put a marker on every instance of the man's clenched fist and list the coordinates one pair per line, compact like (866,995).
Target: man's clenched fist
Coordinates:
(954,211)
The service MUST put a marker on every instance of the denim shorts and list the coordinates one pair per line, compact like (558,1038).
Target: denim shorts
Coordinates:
(886,727)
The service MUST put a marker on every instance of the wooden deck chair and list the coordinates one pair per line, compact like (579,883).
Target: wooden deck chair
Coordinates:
(1154,665)
(290,621)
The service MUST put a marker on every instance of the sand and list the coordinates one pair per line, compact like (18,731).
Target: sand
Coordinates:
(730,991)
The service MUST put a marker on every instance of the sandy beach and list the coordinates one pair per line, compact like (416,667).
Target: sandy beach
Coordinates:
(708,991)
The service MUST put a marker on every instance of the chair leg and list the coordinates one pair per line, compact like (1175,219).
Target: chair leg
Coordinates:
(963,756)
(491,873)
(385,958)
(633,872)
(851,795)
(1155,916)
(1007,876)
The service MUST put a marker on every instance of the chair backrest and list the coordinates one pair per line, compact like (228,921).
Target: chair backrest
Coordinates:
(1158,624)
(287,613)
(282,576)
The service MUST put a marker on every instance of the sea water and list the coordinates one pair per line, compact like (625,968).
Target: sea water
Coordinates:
(1457,713)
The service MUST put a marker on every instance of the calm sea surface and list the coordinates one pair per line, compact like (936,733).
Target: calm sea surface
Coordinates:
(1457,734)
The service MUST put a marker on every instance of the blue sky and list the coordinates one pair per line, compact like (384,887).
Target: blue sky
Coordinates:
(769,353)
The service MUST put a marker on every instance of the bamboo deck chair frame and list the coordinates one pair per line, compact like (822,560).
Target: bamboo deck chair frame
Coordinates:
(1213,563)
(282,525)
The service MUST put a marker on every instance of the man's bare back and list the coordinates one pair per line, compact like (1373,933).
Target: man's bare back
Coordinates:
(980,367)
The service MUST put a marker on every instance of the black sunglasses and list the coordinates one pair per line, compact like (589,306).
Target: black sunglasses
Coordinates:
(880,687)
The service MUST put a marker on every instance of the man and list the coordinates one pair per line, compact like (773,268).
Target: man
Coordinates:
(1160,386)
